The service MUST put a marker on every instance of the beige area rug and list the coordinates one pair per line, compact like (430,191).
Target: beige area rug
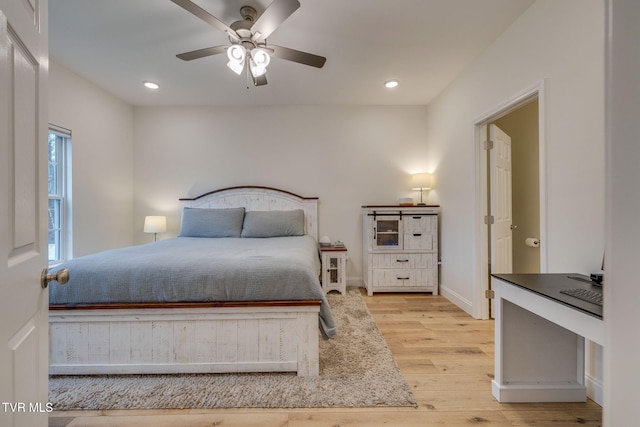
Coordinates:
(356,370)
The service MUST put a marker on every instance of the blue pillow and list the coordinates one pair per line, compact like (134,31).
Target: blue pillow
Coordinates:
(273,223)
(198,222)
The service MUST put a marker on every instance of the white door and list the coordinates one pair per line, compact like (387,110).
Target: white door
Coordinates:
(500,178)
(23,213)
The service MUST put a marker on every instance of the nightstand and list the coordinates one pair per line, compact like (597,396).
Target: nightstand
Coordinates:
(334,263)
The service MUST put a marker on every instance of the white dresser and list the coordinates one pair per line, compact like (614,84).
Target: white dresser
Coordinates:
(400,248)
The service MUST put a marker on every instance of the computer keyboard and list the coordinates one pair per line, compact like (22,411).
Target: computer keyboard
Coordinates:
(593,297)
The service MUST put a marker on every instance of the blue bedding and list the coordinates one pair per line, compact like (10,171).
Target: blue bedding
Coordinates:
(192,269)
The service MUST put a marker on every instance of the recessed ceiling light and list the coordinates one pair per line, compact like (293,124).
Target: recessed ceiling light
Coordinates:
(391,84)
(151,85)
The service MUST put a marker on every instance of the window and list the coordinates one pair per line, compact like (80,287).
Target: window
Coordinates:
(59,186)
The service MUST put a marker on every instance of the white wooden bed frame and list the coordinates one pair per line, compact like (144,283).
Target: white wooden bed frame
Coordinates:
(266,336)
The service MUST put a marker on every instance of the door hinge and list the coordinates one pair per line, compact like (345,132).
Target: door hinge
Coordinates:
(489,294)
(488,145)
(488,219)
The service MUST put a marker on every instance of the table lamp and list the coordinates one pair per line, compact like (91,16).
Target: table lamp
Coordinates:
(155,225)
(421,182)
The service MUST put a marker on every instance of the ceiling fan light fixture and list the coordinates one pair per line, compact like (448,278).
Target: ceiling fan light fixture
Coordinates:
(256,70)
(236,54)
(236,67)
(258,62)
(260,56)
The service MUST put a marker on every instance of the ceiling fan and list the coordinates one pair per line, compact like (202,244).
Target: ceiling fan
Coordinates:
(249,49)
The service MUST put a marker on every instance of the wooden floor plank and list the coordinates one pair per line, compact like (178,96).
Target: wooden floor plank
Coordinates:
(586,417)
(402,419)
(195,420)
(445,356)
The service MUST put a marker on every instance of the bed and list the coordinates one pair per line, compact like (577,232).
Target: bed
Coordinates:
(237,291)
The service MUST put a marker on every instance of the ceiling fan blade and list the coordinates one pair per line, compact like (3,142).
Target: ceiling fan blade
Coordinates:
(260,80)
(274,15)
(193,8)
(201,53)
(298,56)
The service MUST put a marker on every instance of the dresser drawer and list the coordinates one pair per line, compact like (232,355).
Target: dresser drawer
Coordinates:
(404,277)
(425,224)
(419,241)
(403,260)
(420,232)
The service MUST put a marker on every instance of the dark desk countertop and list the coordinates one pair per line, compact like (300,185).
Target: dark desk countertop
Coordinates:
(549,286)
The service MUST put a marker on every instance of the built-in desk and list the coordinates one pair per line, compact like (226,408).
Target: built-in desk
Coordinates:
(540,338)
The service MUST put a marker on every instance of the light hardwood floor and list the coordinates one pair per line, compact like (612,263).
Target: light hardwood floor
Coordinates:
(445,355)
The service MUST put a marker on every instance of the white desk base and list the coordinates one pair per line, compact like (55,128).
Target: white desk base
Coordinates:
(539,347)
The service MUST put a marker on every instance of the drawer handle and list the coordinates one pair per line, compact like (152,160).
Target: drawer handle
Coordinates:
(417,217)
(402,260)
(417,234)
(403,278)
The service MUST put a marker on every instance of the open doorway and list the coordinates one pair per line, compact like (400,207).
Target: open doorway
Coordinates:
(521,125)
(511,192)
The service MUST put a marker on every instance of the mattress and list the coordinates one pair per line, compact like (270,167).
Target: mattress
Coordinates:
(193,269)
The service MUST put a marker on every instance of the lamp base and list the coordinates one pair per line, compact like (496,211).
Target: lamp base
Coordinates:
(421,204)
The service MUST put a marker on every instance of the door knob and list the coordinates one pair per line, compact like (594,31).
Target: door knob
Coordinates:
(62,277)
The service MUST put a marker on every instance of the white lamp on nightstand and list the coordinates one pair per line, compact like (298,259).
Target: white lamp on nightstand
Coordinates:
(155,225)
(421,182)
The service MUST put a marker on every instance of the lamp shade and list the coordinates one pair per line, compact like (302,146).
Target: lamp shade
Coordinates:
(155,224)
(259,60)
(421,181)
(237,55)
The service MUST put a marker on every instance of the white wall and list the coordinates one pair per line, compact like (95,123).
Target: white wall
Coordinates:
(346,156)
(560,42)
(622,290)
(102,150)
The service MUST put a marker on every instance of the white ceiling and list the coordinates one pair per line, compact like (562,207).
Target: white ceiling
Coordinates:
(117,44)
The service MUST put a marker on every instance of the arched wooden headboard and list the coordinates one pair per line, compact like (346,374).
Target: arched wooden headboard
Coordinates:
(256,198)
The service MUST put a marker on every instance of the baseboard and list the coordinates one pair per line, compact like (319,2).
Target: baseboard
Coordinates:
(457,299)
(594,389)
(355,281)
(515,392)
